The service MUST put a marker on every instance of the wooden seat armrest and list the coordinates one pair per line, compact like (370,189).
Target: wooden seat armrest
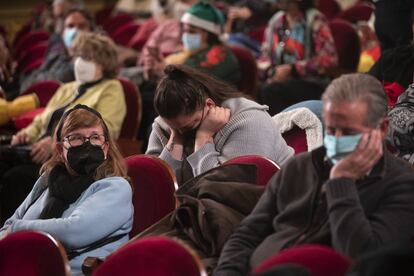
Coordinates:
(90,264)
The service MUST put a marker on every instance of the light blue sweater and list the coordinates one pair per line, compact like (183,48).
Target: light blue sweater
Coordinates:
(104,209)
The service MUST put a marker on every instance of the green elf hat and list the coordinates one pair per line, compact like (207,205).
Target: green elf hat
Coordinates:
(204,16)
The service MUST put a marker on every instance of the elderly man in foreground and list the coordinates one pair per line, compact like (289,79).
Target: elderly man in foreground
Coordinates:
(350,194)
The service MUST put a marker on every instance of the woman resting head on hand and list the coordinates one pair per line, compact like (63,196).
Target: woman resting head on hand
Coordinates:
(204,122)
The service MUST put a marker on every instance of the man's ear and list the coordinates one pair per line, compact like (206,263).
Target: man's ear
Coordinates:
(384,127)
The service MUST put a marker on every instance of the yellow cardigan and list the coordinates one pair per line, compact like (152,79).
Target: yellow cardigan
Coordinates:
(106,97)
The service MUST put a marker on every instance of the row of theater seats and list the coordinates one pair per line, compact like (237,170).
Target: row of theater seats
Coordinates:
(160,256)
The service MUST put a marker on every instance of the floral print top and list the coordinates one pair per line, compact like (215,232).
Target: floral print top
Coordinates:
(310,42)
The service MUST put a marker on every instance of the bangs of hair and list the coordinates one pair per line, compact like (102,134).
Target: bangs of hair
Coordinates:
(81,118)
(178,98)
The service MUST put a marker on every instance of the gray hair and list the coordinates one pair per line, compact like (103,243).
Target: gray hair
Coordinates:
(359,87)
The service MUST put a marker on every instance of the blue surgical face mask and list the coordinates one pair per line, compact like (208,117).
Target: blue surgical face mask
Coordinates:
(339,147)
(191,41)
(69,35)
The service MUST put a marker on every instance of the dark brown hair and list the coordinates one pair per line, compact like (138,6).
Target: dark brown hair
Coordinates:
(182,90)
(81,117)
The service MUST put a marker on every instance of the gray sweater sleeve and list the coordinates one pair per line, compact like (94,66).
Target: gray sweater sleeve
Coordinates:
(251,132)
(353,232)
(156,147)
(235,257)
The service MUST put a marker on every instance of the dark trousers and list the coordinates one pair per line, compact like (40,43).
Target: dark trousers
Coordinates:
(17,177)
(279,96)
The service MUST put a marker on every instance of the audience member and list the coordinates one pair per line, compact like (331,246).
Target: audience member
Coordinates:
(6,76)
(301,50)
(81,184)
(244,17)
(395,69)
(392,22)
(203,122)
(351,194)
(401,132)
(58,63)
(59,11)
(95,69)
(201,28)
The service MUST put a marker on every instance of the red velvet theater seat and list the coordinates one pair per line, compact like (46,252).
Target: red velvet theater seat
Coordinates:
(112,23)
(359,12)
(124,33)
(30,253)
(296,138)
(44,90)
(153,185)
(347,44)
(153,256)
(26,118)
(318,260)
(248,70)
(266,168)
(133,101)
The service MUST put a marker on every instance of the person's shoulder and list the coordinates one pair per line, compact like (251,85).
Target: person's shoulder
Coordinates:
(396,164)
(69,85)
(112,83)
(112,183)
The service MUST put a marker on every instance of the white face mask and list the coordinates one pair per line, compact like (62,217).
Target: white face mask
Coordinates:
(85,71)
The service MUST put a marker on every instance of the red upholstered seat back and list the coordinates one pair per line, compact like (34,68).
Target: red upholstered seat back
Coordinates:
(26,118)
(30,38)
(44,90)
(359,12)
(112,23)
(153,185)
(266,168)
(330,8)
(123,34)
(248,70)
(28,56)
(30,253)
(296,138)
(319,260)
(152,256)
(133,101)
(347,45)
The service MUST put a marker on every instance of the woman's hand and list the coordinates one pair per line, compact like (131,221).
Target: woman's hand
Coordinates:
(20,138)
(175,144)
(42,150)
(153,65)
(217,117)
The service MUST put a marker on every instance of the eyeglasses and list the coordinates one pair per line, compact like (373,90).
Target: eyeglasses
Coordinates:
(76,140)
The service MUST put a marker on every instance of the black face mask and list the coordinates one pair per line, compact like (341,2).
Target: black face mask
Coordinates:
(86,158)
